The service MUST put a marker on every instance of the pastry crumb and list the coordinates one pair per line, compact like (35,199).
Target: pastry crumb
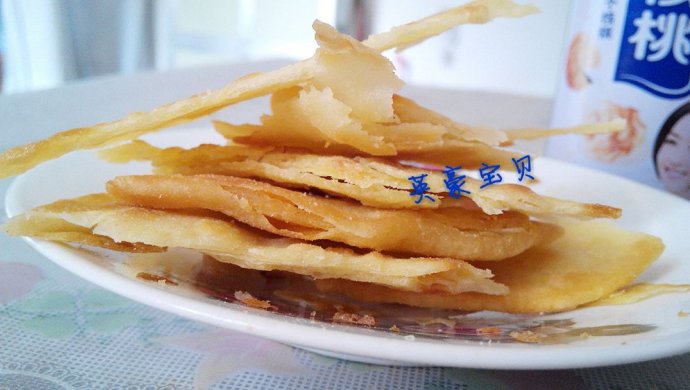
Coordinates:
(526,336)
(156,278)
(350,318)
(489,330)
(248,300)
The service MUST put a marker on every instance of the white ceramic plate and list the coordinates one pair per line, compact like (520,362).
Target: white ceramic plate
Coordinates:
(650,329)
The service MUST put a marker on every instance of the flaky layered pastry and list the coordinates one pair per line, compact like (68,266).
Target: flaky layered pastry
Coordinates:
(591,260)
(231,242)
(373,182)
(457,232)
(321,187)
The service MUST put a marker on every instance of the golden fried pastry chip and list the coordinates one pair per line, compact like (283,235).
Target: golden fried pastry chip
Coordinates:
(233,243)
(611,126)
(315,120)
(359,76)
(309,119)
(22,158)
(592,260)
(454,232)
(58,230)
(470,155)
(475,12)
(409,111)
(354,178)
(373,182)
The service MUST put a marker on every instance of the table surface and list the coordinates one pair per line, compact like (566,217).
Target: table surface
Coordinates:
(60,332)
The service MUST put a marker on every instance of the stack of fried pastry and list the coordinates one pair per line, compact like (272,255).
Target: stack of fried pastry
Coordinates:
(321,188)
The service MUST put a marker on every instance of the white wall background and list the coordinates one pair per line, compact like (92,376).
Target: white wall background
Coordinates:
(508,55)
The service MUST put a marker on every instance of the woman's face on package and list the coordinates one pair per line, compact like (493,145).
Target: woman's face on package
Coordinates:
(673,158)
